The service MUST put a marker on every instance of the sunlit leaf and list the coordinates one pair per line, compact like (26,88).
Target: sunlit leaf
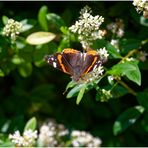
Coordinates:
(31,124)
(17,60)
(70,85)
(42,17)
(5,19)
(113,51)
(1,73)
(127,118)
(40,38)
(80,94)
(128,69)
(27,24)
(75,90)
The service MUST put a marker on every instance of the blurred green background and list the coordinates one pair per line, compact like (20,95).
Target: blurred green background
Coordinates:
(40,93)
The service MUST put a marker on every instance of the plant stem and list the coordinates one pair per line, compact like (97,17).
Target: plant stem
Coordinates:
(129,54)
(130,90)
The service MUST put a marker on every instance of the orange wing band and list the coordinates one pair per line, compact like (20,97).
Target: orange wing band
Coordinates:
(59,57)
(95,59)
(70,50)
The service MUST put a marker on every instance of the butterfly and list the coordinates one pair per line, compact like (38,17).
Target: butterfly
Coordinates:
(74,62)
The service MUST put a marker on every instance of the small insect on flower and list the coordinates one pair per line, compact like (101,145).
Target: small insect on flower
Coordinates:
(76,63)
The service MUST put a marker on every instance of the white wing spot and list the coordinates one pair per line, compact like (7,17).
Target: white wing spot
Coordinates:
(95,67)
(52,58)
(54,64)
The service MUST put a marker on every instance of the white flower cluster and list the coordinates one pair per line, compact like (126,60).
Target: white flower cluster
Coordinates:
(117,28)
(141,5)
(12,28)
(51,134)
(27,140)
(87,27)
(103,53)
(115,43)
(84,139)
(106,94)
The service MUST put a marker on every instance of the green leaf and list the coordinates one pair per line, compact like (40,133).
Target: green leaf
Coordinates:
(118,91)
(38,38)
(55,19)
(27,25)
(127,45)
(142,98)
(113,51)
(42,17)
(1,73)
(5,19)
(31,124)
(70,85)
(143,21)
(75,90)
(129,69)
(80,95)
(127,118)
(25,69)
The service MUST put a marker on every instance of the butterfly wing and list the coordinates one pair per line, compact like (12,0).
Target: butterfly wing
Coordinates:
(91,61)
(75,59)
(58,62)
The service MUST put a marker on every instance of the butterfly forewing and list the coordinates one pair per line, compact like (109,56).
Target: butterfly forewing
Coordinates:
(58,62)
(91,61)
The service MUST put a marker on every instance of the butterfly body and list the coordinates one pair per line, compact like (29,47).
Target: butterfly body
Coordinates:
(74,62)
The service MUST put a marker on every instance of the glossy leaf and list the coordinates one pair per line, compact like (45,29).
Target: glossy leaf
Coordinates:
(143,21)
(55,19)
(75,90)
(127,118)
(38,38)
(27,25)
(5,19)
(113,51)
(128,69)
(31,124)
(142,98)
(42,17)
(80,95)
(70,85)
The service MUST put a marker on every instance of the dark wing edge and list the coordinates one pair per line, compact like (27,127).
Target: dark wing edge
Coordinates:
(57,61)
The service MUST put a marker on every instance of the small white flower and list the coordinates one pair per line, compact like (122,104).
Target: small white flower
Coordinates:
(87,27)
(12,28)
(103,53)
(110,78)
(85,139)
(117,28)
(28,138)
(141,5)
